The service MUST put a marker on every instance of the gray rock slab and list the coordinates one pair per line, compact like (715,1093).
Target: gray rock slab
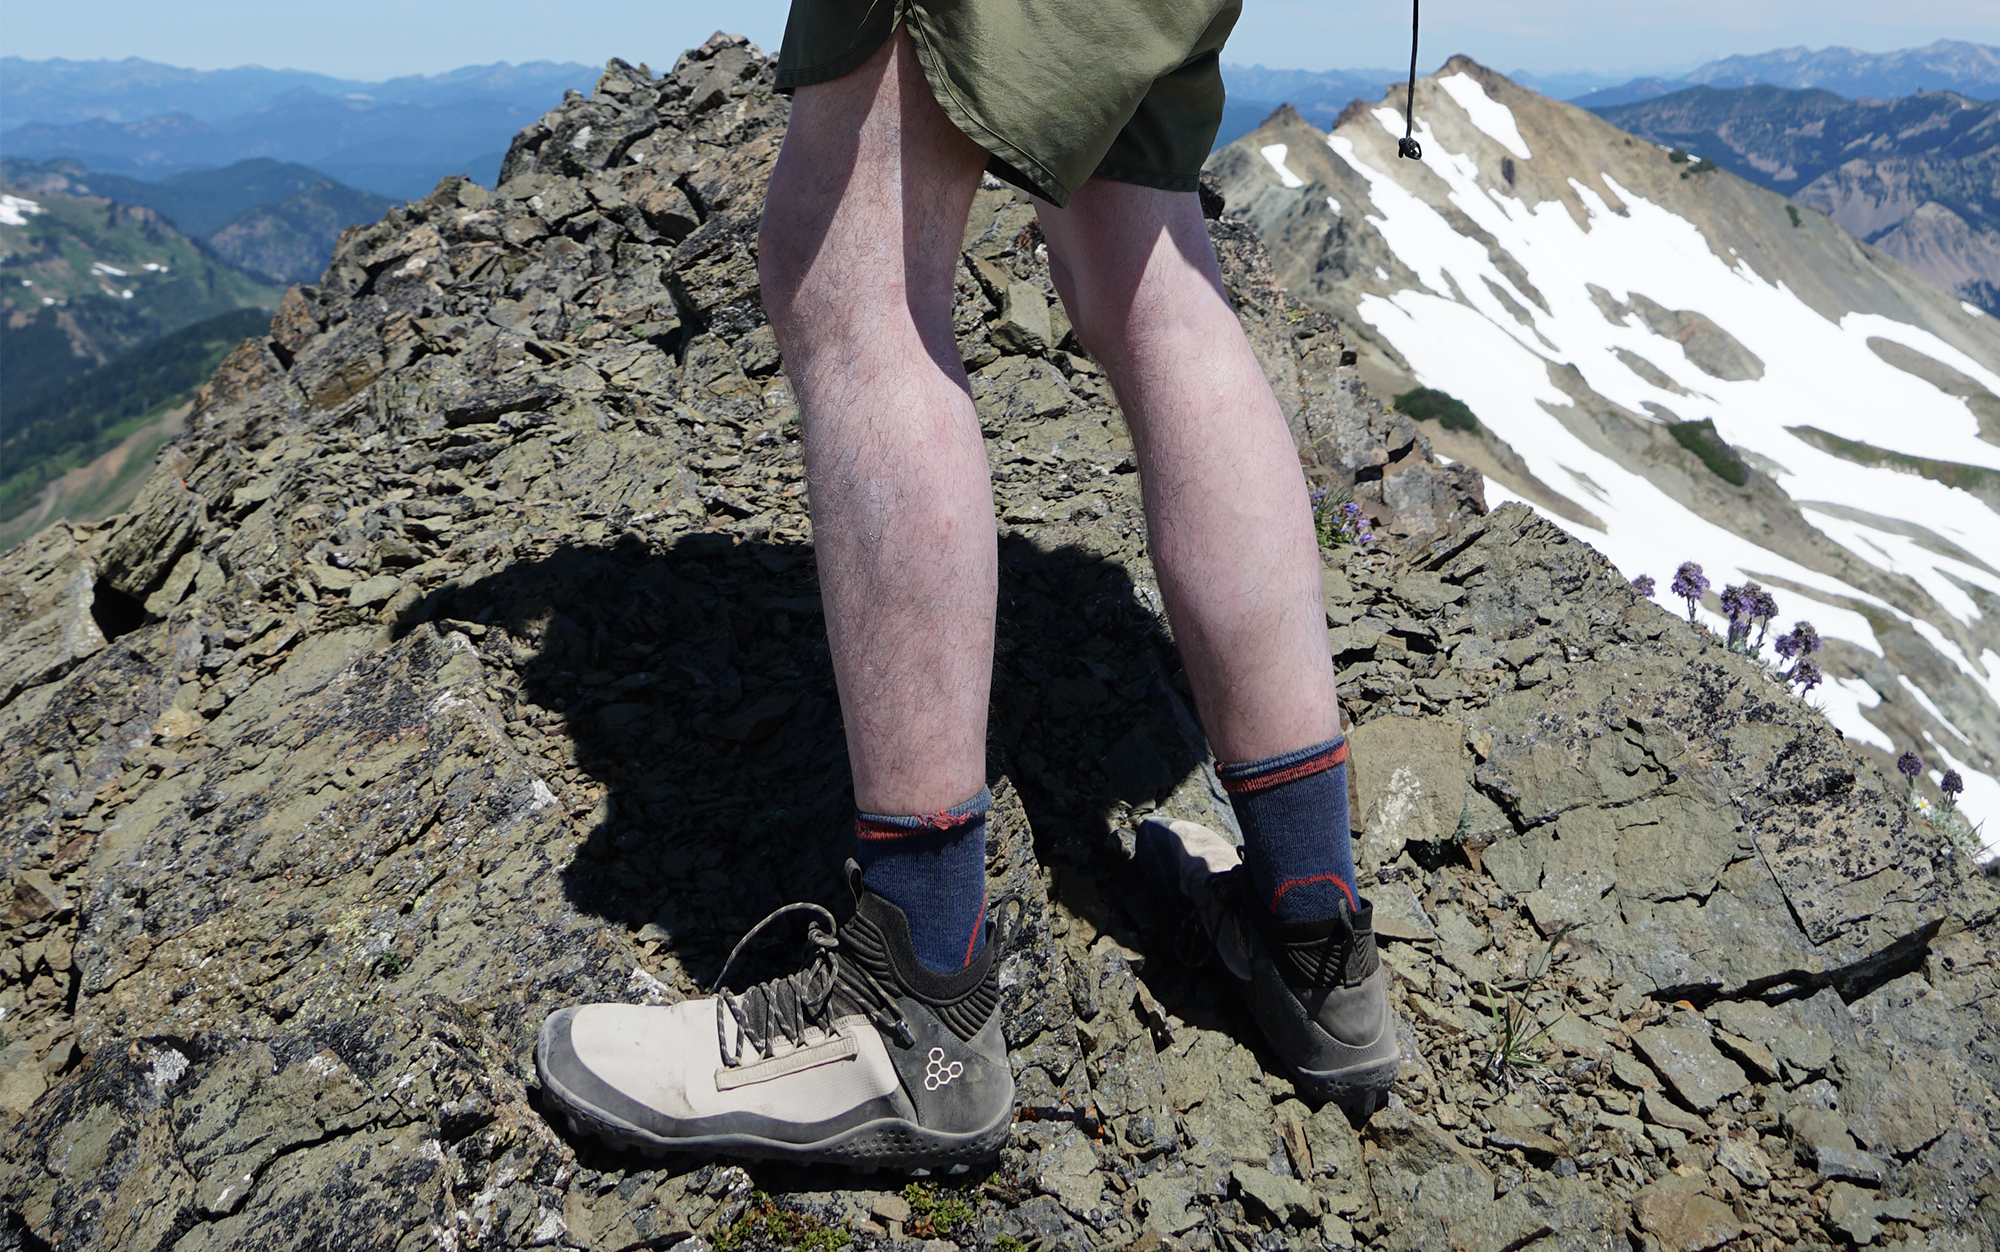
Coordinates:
(1682,1219)
(1286,1200)
(1399,916)
(1168,1202)
(1691,1065)
(1068,1171)
(1409,779)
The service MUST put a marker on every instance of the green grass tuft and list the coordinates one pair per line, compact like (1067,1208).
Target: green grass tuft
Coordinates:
(934,1213)
(764,1224)
(1973,479)
(1428,404)
(1700,438)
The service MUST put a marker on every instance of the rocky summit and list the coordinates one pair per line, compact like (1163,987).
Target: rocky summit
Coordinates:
(464,660)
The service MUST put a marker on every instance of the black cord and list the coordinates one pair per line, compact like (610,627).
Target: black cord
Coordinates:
(1407,146)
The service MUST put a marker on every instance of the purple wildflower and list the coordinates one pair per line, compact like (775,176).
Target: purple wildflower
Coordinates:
(1643,584)
(1909,765)
(1801,640)
(1951,784)
(1736,607)
(1806,674)
(1340,521)
(1689,584)
(1763,607)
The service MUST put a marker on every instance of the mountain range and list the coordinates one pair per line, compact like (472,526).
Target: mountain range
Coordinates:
(1948,65)
(274,219)
(1919,177)
(1680,365)
(394,138)
(83,279)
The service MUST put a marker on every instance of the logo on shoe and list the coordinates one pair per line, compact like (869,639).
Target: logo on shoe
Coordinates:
(938,1074)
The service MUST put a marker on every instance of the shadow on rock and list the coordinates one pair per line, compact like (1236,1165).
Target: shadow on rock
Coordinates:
(688,694)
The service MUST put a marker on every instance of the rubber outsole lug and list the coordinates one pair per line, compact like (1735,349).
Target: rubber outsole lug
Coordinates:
(1359,1093)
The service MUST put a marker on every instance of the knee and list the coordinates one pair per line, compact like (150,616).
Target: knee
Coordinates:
(781,261)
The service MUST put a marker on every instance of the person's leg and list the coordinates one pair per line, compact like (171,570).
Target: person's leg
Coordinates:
(1230,527)
(887,1049)
(1229,521)
(860,238)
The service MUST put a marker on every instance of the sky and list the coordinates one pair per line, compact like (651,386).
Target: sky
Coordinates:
(376,39)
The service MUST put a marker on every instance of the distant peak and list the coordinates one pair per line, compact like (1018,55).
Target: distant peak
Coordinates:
(1283,115)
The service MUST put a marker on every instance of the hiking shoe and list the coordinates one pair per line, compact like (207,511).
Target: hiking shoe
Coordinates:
(864,1058)
(1318,992)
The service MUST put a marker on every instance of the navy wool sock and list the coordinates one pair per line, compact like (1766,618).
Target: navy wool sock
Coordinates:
(933,867)
(1293,810)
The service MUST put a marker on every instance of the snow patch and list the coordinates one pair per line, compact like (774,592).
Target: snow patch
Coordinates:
(1488,114)
(1460,337)
(1333,204)
(1917,693)
(1971,308)
(1275,153)
(16,210)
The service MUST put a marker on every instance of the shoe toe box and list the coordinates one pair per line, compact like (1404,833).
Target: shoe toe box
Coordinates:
(632,1063)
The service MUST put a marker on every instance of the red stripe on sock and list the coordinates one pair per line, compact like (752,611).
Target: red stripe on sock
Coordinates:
(978,923)
(1336,755)
(1335,879)
(865,829)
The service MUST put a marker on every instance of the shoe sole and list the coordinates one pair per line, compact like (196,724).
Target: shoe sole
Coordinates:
(887,1143)
(1358,1091)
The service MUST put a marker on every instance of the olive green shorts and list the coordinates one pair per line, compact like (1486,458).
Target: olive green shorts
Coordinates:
(1057,91)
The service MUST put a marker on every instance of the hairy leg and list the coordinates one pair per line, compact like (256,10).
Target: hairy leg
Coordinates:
(860,237)
(1227,511)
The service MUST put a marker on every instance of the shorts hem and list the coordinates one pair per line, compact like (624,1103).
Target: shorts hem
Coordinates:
(1045,184)
(790,80)
(1147,178)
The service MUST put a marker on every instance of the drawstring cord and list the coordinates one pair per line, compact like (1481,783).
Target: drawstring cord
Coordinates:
(1407,146)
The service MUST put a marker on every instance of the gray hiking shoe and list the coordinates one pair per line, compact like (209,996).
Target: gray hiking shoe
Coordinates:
(864,1058)
(1321,998)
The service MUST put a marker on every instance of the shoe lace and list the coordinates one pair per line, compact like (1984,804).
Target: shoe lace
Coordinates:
(788,1006)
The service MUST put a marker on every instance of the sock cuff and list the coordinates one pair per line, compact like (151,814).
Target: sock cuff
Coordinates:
(880,827)
(1275,771)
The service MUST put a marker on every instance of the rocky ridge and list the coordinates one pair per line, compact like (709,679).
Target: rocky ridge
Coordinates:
(464,661)
(1539,262)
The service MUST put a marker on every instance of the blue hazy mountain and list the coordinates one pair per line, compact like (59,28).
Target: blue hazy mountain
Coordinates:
(395,138)
(1970,69)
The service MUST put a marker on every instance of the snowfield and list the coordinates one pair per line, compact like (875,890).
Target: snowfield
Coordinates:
(1458,336)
